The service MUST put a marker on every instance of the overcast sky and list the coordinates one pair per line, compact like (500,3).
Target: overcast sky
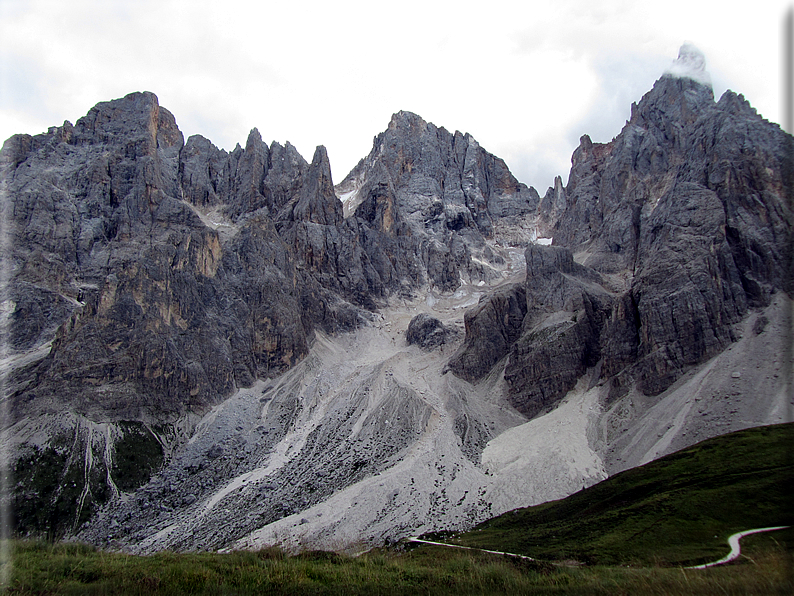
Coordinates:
(525,79)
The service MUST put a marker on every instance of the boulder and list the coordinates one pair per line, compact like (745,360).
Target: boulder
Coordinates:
(426,331)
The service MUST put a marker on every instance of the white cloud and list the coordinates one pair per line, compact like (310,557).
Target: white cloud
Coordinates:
(690,64)
(526,80)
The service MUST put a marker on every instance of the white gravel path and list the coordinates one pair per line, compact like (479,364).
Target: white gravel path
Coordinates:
(482,550)
(736,551)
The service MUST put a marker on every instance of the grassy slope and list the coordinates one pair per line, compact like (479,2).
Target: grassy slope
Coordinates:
(677,510)
(41,569)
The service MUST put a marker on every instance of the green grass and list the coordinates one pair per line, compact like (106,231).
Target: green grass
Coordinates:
(678,510)
(64,569)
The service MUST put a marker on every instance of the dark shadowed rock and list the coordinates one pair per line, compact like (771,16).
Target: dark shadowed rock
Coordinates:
(567,307)
(426,331)
(491,329)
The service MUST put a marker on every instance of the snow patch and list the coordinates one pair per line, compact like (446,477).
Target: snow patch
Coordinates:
(348,193)
(214,219)
(349,201)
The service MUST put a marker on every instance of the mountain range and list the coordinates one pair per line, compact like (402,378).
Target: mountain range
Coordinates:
(207,349)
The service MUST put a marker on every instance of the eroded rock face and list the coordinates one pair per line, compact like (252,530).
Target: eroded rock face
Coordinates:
(328,249)
(679,226)
(153,315)
(150,313)
(567,306)
(491,329)
(428,199)
(152,278)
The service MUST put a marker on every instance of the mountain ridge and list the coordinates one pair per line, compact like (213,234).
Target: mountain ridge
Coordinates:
(174,299)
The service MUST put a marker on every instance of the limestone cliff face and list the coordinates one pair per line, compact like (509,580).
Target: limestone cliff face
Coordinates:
(671,232)
(337,276)
(691,200)
(329,250)
(152,278)
(148,313)
(428,199)
(143,313)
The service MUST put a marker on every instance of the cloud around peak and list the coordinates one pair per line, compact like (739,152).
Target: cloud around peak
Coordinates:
(690,64)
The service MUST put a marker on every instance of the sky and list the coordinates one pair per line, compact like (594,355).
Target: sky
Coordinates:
(526,79)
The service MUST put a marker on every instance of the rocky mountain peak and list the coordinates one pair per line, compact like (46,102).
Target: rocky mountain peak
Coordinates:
(673,102)
(406,122)
(320,160)
(440,179)
(254,140)
(681,222)
(115,121)
(736,104)
(211,347)
(444,192)
(690,64)
(318,202)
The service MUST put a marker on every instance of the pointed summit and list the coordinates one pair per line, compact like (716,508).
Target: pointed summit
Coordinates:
(405,118)
(690,64)
(318,202)
(680,95)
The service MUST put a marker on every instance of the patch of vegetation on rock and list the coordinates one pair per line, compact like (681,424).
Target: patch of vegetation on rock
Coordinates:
(50,497)
(138,456)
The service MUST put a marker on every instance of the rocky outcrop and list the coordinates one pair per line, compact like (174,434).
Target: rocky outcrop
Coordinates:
(549,326)
(154,316)
(426,331)
(492,327)
(244,181)
(678,227)
(143,312)
(329,252)
(561,334)
(551,207)
(712,226)
(428,199)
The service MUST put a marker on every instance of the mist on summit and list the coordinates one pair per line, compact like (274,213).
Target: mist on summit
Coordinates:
(691,64)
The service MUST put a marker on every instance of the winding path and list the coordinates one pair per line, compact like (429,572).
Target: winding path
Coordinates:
(482,550)
(736,551)
(733,542)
